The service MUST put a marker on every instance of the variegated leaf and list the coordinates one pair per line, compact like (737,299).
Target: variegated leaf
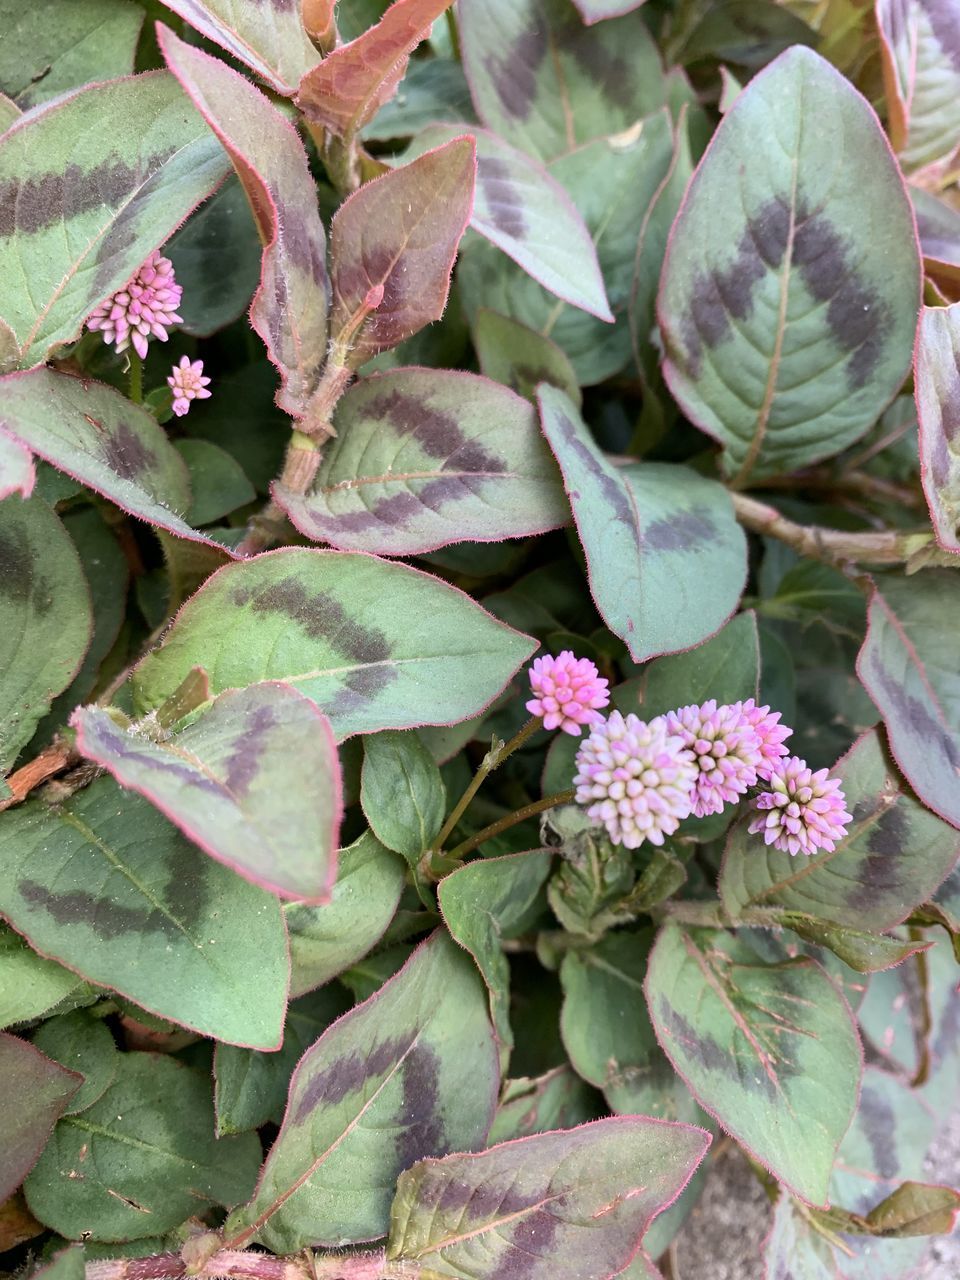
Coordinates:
(290,308)
(90,185)
(920,46)
(17,472)
(937,391)
(36,1092)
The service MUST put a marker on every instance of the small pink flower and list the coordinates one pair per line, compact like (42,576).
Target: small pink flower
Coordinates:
(726,750)
(635,778)
(770,733)
(187,382)
(569,692)
(804,811)
(144,307)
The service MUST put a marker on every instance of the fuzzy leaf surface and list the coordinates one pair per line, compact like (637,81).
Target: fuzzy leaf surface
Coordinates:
(89,185)
(665,558)
(375,645)
(938,226)
(17,472)
(557,1206)
(400,233)
(519,357)
(920,48)
(45,618)
(770,1050)
(108,887)
(84,1045)
(254,781)
(908,666)
(529,61)
(290,307)
(163,1111)
(102,439)
(29,984)
(785,336)
(937,391)
(412,1070)
(326,940)
(427,457)
(894,856)
(348,87)
(401,792)
(36,1092)
(269,38)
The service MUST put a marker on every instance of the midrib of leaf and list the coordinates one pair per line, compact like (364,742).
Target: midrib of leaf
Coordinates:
(403,477)
(78,1122)
(493,1224)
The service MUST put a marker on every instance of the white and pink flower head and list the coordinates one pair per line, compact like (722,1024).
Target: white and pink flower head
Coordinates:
(568,692)
(145,307)
(187,383)
(803,811)
(725,749)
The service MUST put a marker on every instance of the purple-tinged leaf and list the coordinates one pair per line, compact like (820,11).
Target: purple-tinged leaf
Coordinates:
(36,1092)
(937,391)
(265,35)
(289,309)
(427,457)
(90,185)
(399,234)
(434,90)
(375,645)
(521,358)
(17,472)
(568,1205)
(893,857)
(771,1050)
(108,887)
(938,226)
(163,1111)
(525,211)
(546,83)
(920,50)
(326,940)
(347,89)
(908,666)
(597,10)
(483,903)
(254,781)
(411,1071)
(45,618)
(52,46)
(102,439)
(666,559)
(785,334)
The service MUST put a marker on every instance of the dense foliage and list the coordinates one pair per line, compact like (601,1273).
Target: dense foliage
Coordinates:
(352,356)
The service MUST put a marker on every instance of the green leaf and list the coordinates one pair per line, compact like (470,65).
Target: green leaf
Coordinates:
(91,184)
(433,89)
(54,45)
(557,1100)
(326,940)
(938,226)
(770,1050)
(485,902)
(29,984)
(400,233)
(604,1024)
(218,484)
(937,387)
(35,1094)
(374,645)
(251,1087)
(163,1112)
(595,10)
(289,309)
(546,83)
(270,39)
(725,667)
(68,1264)
(411,1071)
(84,1045)
(104,884)
(427,457)
(102,439)
(665,557)
(17,472)
(916,1209)
(893,857)
(526,212)
(748,33)
(348,87)
(864,952)
(610,181)
(521,358)
(537,1206)
(45,618)
(908,667)
(9,114)
(793,1248)
(920,48)
(254,781)
(785,335)
(401,792)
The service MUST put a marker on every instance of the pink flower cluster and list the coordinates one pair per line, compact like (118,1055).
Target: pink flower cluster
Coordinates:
(640,779)
(187,383)
(145,307)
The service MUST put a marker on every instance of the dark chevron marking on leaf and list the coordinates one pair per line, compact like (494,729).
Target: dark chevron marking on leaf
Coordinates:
(437,432)
(126,453)
(496,179)
(705,1049)
(420,1118)
(20,578)
(29,205)
(348,1074)
(879,1123)
(937,392)
(244,764)
(675,533)
(920,51)
(514,73)
(614,493)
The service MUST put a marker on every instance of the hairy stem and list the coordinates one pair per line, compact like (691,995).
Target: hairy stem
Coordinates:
(244,1264)
(505,823)
(136,377)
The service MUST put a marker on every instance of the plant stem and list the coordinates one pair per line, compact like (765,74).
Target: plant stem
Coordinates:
(494,757)
(454,34)
(713,915)
(136,377)
(51,761)
(511,820)
(243,1264)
